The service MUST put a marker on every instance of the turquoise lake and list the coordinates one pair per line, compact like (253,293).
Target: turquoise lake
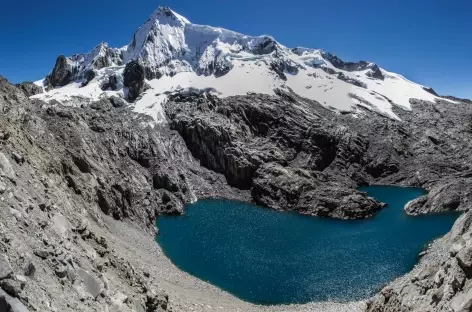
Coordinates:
(268,257)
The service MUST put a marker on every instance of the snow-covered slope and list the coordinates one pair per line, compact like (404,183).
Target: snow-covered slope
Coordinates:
(177,54)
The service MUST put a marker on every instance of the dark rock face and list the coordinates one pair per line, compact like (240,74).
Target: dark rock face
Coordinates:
(266,46)
(282,66)
(454,98)
(376,73)
(111,84)
(351,66)
(286,188)
(62,74)
(88,76)
(352,81)
(251,138)
(101,62)
(448,196)
(430,90)
(133,78)
(29,88)
(276,148)
(152,73)
(219,67)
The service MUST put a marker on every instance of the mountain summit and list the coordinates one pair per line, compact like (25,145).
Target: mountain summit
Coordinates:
(175,54)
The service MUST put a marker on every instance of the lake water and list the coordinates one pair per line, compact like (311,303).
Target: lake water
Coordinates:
(268,257)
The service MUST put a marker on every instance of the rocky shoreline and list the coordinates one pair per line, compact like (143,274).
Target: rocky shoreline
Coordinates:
(81,187)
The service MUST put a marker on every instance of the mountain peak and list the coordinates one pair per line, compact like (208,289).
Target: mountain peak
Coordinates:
(163,13)
(187,55)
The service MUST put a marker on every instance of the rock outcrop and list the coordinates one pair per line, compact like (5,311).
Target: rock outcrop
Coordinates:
(285,147)
(133,78)
(278,148)
(29,88)
(62,74)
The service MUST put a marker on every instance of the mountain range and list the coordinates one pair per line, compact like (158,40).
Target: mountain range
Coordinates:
(178,55)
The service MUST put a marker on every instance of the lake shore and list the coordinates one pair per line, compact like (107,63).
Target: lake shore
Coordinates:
(189,293)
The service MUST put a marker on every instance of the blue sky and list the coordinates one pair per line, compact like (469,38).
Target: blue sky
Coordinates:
(428,41)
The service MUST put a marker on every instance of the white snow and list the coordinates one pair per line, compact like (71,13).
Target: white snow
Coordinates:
(187,55)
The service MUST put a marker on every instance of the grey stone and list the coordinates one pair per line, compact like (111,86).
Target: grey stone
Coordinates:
(462,302)
(30,268)
(464,257)
(5,267)
(156,302)
(61,271)
(30,88)
(92,284)
(22,279)
(18,157)
(457,246)
(12,287)
(17,214)
(10,304)
(119,299)
(60,224)
(3,186)
(71,274)
(6,169)
(138,305)
(84,225)
(43,253)
(80,292)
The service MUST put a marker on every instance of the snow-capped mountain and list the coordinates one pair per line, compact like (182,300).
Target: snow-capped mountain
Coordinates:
(177,54)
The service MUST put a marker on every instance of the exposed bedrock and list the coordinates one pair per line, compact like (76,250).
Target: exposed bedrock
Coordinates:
(29,88)
(440,282)
(280,148)
(284,147)
(62,74)
(133,78)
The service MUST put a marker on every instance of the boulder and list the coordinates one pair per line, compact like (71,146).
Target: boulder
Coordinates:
(10,304)
(18,157)
(11,287)
(43,253)
(5,267)
(462,302)
(6,169)
(464,258)
(92,284)
(30,268)
(156,302)
(3,186)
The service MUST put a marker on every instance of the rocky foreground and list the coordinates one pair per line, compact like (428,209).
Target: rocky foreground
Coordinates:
(80,189)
